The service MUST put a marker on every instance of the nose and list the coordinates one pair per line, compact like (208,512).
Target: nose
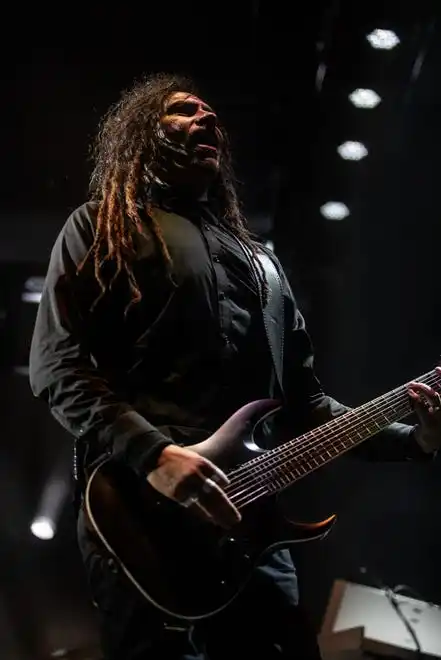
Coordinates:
(206,119)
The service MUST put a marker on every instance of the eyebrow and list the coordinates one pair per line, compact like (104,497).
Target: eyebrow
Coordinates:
(187,101)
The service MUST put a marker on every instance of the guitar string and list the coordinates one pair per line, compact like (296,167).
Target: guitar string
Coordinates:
(278,472)
(279,462)
(304,458)
(275,478)
(322,430)
(249,494)
(293,449)
(305,441)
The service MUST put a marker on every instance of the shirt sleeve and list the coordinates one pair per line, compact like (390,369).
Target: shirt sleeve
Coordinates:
(313,407)
(63,373)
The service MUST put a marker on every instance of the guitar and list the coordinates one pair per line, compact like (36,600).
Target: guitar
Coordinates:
(190,568)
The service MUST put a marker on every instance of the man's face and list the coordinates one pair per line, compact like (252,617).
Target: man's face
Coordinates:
(193,125)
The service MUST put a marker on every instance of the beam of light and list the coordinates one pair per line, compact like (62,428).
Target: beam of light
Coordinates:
(334,211)
(33,288)
(43,528)
(364,98)
(383,39)
(44,525)
(351,150)
(31,296)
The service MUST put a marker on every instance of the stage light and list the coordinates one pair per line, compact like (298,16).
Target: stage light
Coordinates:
(334,211)
(43,528)
(51,503)
(31,296)
(33,288)
(351,150)
(364,98)
(383,39)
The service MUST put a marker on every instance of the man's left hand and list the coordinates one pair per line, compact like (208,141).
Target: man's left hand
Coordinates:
(427,404)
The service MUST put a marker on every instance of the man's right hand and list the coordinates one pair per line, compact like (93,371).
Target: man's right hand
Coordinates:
(194,481)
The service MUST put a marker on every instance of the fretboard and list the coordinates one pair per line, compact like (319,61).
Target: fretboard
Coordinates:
(281,467)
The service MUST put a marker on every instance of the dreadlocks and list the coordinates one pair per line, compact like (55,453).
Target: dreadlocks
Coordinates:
(124,154)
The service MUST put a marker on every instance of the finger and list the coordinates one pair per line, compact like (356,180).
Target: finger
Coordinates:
(427,395)
(194,505)
(419,405)
(212,471)
(414,394)
(200,511)
(188,489)
(419,395)
(422,388)
(216,502)
(419,401)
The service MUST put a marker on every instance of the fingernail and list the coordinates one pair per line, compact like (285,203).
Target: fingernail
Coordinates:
(220,477)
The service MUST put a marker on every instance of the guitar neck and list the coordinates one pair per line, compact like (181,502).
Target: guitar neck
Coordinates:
(297,458)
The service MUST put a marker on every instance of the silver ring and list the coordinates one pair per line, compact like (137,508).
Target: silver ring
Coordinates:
(209,484)
(191,499)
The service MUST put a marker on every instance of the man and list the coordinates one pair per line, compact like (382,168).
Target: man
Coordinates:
(150,334)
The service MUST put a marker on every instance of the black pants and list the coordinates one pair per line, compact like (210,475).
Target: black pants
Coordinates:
(263,623)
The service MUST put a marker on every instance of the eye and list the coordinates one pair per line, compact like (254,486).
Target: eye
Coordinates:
(183,108)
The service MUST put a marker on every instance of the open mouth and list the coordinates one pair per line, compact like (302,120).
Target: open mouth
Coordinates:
(206,147)
(205,140)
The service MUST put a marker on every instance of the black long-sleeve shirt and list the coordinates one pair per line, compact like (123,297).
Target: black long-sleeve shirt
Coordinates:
(180,361)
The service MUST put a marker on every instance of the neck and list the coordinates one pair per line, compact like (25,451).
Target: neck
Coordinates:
(164,193)
(189,193)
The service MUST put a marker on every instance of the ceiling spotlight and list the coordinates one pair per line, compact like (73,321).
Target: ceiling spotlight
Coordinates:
(364,98)
(383,39)
(351,150)
(334,211)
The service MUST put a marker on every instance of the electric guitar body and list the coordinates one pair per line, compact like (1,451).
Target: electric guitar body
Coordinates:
(187,567)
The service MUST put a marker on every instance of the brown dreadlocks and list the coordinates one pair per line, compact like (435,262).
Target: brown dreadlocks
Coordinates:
(125,151)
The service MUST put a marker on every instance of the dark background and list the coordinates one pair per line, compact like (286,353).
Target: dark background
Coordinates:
(279,75)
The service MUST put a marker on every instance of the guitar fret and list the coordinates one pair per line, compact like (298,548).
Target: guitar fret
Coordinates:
(316,448)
